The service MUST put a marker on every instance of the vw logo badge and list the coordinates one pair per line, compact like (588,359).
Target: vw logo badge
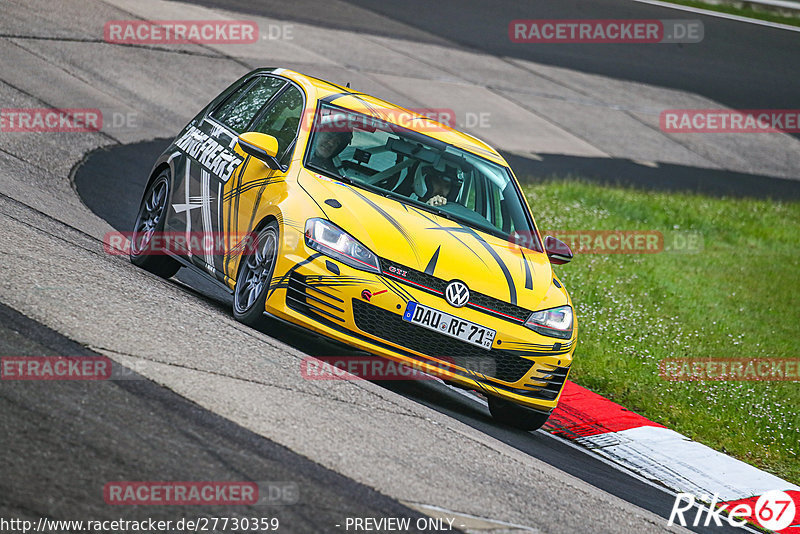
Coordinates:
(457,294)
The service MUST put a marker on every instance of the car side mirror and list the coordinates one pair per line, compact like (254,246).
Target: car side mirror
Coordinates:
(261,146)
(557,251)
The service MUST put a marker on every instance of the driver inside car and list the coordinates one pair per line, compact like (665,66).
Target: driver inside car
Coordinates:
(329,143)
(433,187)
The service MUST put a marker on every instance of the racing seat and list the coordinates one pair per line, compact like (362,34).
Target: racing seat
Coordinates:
(440,169)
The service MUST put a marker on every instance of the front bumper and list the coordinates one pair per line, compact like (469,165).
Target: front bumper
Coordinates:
(364,310)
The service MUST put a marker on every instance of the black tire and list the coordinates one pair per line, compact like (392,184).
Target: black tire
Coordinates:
(150,221)
(516,416)
(255,276)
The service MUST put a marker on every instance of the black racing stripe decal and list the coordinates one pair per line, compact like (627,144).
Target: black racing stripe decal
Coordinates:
(534,353)
(432,264)
(330,98)
(338,280)
(324,213)
(394,222)
(316,283)
(231,210)
(291,223)
(528,277)
(448,230)
(404,290)
(252,185)
(257,203)
(395,288)
(406,295)
(288,273)
(373,109)
(512,289)
(219,259)
(524,346)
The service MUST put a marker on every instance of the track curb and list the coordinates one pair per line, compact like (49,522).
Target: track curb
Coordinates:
(660,454)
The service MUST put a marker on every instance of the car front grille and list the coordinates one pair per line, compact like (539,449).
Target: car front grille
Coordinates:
(477,301)
(508,366)
(502,365)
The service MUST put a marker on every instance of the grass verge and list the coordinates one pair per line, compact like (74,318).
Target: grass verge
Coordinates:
(744,11)
(738,298)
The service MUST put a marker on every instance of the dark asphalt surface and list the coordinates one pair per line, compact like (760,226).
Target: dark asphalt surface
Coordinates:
(111,181)
(737,64)
(62,441)
(740,65)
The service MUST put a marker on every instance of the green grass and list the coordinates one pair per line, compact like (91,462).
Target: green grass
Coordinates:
(738,298)
(744,11)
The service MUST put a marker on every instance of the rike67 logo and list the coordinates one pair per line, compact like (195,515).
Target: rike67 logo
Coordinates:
(775,510)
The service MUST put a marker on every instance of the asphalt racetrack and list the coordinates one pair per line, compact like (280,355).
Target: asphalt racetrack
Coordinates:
(206,398)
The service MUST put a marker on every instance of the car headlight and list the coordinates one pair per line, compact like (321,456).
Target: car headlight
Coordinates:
(555,322)
(326,237)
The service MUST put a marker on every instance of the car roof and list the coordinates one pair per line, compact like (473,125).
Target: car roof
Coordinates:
(373,106)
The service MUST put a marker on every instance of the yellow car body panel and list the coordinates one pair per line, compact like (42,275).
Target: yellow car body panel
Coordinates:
(325,295)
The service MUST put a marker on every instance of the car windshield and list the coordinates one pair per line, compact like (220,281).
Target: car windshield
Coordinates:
(419,170)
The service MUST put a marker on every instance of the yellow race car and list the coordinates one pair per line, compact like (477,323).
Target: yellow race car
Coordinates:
(372,225)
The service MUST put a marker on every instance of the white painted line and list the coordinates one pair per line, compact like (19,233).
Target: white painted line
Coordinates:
(720,15)
(684,465)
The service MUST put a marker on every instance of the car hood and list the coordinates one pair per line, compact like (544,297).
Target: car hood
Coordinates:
(426,242)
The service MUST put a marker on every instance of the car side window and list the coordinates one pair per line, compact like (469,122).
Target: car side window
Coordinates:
(241,106)
(282,120)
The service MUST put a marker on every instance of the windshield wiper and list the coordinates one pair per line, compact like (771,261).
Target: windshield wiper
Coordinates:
(441,213)
(380,191)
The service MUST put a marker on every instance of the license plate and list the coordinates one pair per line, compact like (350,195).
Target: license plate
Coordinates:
(449,325)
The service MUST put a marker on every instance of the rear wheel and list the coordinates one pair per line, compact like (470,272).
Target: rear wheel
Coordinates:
(149,223)
(514,415)
(255,275)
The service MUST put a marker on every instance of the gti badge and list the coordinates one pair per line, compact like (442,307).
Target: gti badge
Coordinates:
(457,294)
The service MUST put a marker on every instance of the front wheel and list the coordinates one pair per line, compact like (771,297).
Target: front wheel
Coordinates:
(255,275)
(150,223)
(514,415)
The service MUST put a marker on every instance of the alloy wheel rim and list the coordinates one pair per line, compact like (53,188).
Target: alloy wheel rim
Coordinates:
(149,217)
(256,272)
